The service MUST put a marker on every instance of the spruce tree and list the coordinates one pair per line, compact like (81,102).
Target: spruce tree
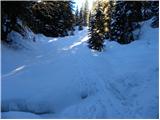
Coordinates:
(122,24)
(155,13)
(107,10)
(89,19)
(11,11)
(85,13)
(77,16)
(81,19)
(96,31)
(51,18)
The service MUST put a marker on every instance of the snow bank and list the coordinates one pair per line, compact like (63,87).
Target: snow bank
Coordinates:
(19,115)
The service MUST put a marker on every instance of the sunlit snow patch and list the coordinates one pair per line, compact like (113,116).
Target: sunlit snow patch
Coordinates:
(14,71)
(76,43)
(52,40)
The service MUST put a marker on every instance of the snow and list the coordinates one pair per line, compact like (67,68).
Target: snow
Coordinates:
(63,78)
(19,115)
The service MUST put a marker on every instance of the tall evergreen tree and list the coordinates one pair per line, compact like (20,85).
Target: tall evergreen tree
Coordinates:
(123,17)
(107,10)
(96,31)
(122,22)
(89,19)
(85,13)
(81,19)
(155,13)
(51,18)
(77,16)
(11,11)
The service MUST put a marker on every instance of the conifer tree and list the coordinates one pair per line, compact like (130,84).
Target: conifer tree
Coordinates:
(77,16)
(155,13)
(121,25)
(107,10)
(51,18)
(96,31)
(11,11)
(85,13)
(89,19)
(81,19)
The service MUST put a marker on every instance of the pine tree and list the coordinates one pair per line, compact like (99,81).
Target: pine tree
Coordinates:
(77,16)
(89,19)
(123,17)
(96,31)
(81,19)
(155,13)
(122,22)
(107,5)
(51,18)
(11,11)
(85,13)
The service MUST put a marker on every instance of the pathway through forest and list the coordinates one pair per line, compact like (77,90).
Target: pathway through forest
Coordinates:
(63,78)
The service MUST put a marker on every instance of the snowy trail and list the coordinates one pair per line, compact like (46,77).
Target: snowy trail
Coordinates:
(65,79)
(48,62)
(76,61)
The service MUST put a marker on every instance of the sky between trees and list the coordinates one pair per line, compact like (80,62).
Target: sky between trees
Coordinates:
(81,2)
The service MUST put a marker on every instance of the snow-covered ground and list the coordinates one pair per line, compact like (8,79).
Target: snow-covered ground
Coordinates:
(63,78)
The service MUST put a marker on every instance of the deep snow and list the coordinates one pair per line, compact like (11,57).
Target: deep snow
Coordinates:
(62,78)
